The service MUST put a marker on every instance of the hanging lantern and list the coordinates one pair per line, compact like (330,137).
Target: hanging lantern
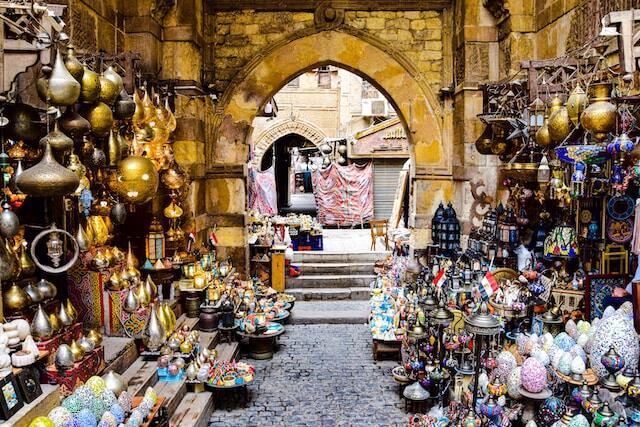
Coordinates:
(450,230)
(561,242)
(55,248)
(577,179)
(436,223)
(508,228)
(155,243)
(536,115)
(544,172)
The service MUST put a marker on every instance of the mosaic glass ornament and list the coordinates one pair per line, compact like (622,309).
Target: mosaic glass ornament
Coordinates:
(551,410)
(86,418)
(553,350)
(542,356)
(533,375)
(571,328)
(125,401)
(505,362)
(109,398)
(555,360)
(73,403)
(98,408)
(565,363)
(583,327)
(109,420)
(514,383)
(97,385)
(564,341)
(117,412)
(60,415)
(578,421)
(582,340)
(578,366)
(86,396)
(41,422)
(73,422)
(521,340)
(547,341)
(578,351)
(152,394)
(137,417)
(617,332)
(146,405)
(608,312)
(103,424)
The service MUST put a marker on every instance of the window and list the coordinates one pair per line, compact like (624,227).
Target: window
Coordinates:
(324,77)
(294,83)
(369,91)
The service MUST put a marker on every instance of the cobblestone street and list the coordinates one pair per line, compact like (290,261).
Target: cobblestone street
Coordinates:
(322,375)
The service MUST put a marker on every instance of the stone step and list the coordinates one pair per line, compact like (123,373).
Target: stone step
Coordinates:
(309,294)
(315,268)
(330,281)
(323,256)
(330,312)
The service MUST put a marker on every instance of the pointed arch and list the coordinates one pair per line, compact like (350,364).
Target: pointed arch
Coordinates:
(282,128)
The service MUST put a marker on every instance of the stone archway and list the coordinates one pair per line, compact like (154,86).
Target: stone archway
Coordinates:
(282,128)
(427,124)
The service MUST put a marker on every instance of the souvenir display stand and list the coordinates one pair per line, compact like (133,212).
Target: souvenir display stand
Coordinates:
(533,322)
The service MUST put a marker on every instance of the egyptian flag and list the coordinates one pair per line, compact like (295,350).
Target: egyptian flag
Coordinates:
(488,286)
(213,238)
(439,280)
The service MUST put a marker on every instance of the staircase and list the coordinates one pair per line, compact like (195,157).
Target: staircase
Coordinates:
(333,287)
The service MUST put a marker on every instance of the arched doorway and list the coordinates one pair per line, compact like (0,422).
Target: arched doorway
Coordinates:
(283,127)
(427,126)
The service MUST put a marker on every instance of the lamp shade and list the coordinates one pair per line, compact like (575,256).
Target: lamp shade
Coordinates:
(562,242)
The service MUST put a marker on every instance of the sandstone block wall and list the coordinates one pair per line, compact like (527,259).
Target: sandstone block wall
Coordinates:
(237,37)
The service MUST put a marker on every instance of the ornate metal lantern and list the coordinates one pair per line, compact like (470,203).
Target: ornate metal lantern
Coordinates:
(508,228)
(55,248)
(155,243)
(536,115)
(436,224)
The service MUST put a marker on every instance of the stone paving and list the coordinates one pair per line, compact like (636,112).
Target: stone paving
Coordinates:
(321,375)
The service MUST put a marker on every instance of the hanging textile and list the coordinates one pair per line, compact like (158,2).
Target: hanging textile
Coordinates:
(344,194)
(262,191)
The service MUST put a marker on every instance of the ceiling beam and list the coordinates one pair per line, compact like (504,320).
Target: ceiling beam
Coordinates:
(213,6)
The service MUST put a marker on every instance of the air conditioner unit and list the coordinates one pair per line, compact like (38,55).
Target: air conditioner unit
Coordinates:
(375,107)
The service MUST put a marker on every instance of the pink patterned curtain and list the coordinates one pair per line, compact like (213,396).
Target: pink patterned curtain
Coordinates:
(262,191)
(344,194)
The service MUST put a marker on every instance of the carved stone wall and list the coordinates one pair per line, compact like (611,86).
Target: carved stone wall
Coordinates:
(264,140)
(238,37)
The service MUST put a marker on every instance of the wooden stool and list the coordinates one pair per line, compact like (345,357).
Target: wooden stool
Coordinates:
(379,228)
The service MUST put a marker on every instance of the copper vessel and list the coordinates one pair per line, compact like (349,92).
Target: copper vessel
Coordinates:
(542,135)
(599,118)
(576,103)
(559,124)
(15,299)
(125,106)
(100,117)
(75,68)
(137,179)
(63,88)
(109,91)
(47,178)
(74,125)
(60,143)
(90,86)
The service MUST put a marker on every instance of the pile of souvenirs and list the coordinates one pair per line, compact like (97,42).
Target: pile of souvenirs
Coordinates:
(102,401)
(292,230)
(545,369)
